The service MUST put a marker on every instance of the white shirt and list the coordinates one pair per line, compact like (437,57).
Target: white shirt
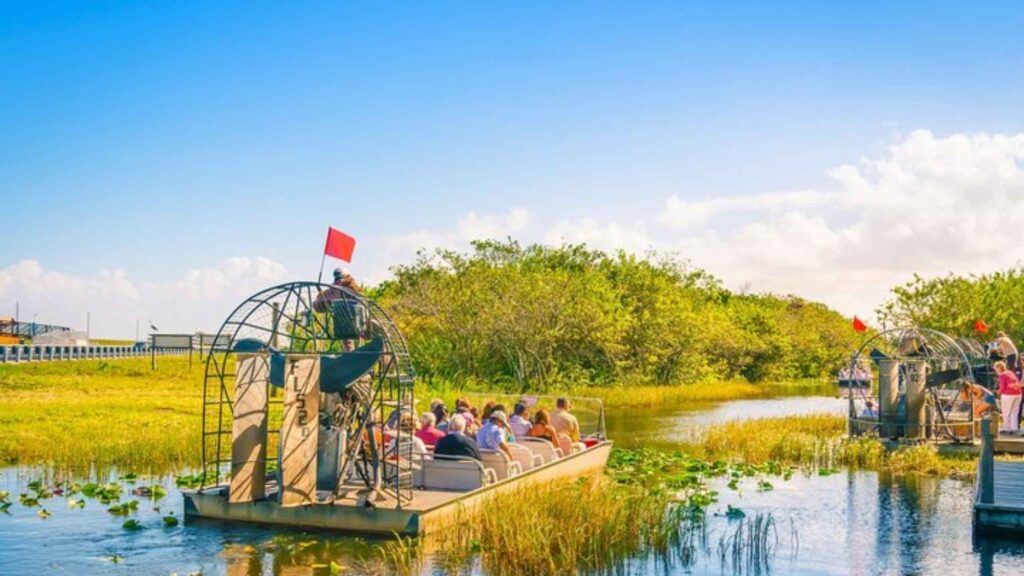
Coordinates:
(520,426)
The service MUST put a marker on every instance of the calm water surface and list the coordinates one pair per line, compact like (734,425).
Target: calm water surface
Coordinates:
(847,523)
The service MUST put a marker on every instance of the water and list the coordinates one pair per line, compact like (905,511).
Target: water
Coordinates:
(846,523)
(668,426)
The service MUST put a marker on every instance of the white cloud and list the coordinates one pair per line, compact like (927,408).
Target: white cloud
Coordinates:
(929,205)
(200,299)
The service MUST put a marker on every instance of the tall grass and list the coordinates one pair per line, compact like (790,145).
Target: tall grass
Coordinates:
(820,442)
(591,525)
(643,396)
(77,415)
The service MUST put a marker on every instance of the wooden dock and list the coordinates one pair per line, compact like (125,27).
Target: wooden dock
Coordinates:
(999,489)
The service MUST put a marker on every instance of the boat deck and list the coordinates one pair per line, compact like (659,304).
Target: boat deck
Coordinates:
(428,509)
(999,488)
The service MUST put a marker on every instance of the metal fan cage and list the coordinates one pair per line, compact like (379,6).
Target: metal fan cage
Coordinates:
(948,364)
(306,318)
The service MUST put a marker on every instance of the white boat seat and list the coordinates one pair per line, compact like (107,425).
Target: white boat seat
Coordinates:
(501,464)
(440,472)
(525,457)
(565,443)
(541,447)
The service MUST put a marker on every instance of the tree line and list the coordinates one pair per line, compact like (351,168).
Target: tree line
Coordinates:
(535,317)
(953,304)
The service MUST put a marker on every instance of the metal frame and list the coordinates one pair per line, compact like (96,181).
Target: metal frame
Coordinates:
(299,317)
(943,351)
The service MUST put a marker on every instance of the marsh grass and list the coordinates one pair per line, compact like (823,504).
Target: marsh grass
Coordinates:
(819,442)
(591,525)
(92,414)
(640,396)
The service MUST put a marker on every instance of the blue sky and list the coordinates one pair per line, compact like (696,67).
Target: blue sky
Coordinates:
(154,139)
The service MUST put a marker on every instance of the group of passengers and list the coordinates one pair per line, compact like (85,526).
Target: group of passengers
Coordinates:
(470,430)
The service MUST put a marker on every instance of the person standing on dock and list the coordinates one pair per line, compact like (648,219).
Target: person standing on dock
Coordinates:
(1009,399)
(1008,350)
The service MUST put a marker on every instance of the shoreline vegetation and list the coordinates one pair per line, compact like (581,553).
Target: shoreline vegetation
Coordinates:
(102,413)
(88,415)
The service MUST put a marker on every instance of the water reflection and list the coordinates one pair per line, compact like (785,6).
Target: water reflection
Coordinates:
(666,427)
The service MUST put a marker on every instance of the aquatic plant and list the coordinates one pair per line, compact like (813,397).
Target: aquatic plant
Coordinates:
(591,525)
(751,546)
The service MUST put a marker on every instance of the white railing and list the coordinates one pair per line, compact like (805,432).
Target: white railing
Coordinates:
(30,353)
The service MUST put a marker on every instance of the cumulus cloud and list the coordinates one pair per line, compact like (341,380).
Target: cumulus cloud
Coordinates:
(196,300)
(930,205)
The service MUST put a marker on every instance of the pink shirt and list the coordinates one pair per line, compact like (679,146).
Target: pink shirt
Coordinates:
(1006,379)
(430,436)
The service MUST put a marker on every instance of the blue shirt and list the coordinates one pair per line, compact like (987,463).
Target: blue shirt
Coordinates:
(490,436)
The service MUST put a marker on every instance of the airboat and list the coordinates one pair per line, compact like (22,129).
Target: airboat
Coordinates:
(916,386)
(303,391)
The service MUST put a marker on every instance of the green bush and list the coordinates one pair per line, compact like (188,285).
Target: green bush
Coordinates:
(534,317)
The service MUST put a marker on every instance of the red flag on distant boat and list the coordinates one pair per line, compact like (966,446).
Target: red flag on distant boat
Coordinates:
(859,326)
(339,245)
(980,326)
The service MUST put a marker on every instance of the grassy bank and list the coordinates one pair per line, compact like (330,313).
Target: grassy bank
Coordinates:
(650,396)
(820,443)
(78,414)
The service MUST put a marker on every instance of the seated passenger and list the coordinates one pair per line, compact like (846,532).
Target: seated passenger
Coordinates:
(485,415)
(406,435)
(441,417)
(870,411)
(981,399)
(564,422)
(455,442)
(520,421)
(428,432)
(492,435)
(542,428)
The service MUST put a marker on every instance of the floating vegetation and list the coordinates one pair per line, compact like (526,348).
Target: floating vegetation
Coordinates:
(124,509)
(132,524)
(76,502)
(193,481)
(170,520)
(44,513)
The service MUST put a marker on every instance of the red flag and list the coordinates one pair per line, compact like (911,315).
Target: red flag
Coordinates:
(339,245)
(859,326)
(980,327)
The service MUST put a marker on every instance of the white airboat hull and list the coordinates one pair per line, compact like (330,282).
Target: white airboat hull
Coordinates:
(429,508)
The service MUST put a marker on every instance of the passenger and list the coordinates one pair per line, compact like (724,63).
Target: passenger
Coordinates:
(1009,399)
(564,422)
(981,399)
(441,417)
(542,428)
(406,435)
(462,406)
(456,443)
(519,423)
(428,431)
(488,409)
(492,434)
(870,411)
(475,422)
(1008,350)
(435,403)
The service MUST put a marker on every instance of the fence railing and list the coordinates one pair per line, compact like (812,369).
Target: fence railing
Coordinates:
(29,353)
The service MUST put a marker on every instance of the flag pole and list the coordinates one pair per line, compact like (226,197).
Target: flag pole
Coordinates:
(320,276)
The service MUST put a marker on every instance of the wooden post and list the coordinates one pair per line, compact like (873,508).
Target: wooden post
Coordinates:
(249,430)
(987,473)
(299,430)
